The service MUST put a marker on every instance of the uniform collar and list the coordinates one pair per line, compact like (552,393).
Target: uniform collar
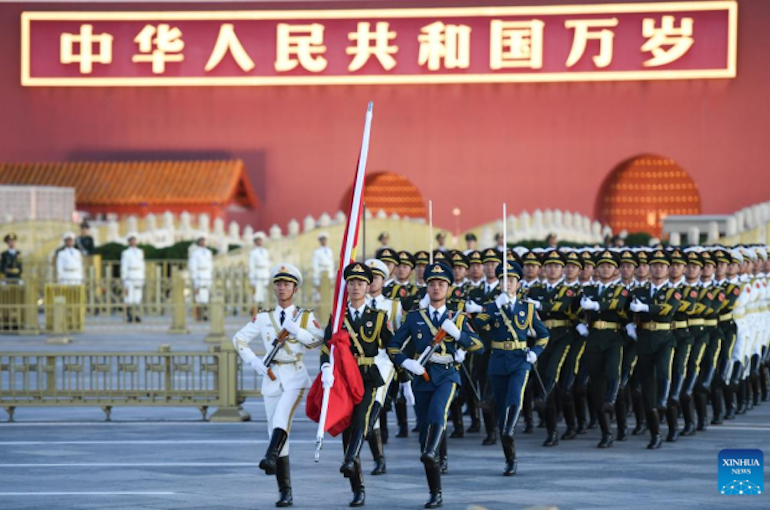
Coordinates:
(359,310)
(441,311)
(654,288)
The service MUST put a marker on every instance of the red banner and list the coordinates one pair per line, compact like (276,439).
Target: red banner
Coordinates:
(653,41)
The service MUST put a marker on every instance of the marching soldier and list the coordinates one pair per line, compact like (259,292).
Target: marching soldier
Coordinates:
(655,304)
(697,264)
(683,339)
(259,268)
(390,258)
(483,294)
(589,265)
(369,332)
(603,303)
(201,268)
(437,376)
(531,269)
(456,302)
(69,262)
(509,322)
(132,274)
(711,335)
(470,244)
(626,270)
(406,263)
(323,265)
(376,300)
(568,377)
(289,331)
(475,269)
(10,261)
(553,300)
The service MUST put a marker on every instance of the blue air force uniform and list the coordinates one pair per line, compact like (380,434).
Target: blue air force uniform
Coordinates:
(434,396)
(508,326)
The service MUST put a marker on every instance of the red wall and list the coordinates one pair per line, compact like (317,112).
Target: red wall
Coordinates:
(467,146)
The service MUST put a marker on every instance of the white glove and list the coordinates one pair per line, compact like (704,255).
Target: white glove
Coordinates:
(589,304)
(502,300)
(408,393)
(631,330)
(638,306)
(535,303)
(291,327)
(531,357)
(582,329)
(451,329)
(257,364)
(460,355)
(425,301)
(413,366)
(473,307)
(327,376)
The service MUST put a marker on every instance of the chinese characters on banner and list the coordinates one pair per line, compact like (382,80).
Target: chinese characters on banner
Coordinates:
(693,40)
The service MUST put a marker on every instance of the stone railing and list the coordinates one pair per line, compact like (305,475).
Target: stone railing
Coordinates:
(748,226)
(567,226)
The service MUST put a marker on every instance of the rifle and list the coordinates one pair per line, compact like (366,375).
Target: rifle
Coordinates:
(278,344)
(429,351)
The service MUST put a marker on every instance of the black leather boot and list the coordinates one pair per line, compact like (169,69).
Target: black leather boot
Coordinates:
(490,426)
(717,402)
(509,450)
(687,414)
(357,486)
(672,419)
(653,420)
(444,462)
(604,422)
(621,415)
(433,475)
(352,452)
(430,453)
(457,419)
(743,396)
(403,426)
(730,392)
(378,452)
(550,422)
(277,440)
(283,476)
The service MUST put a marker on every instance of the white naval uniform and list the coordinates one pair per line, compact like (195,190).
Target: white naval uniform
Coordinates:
(259,272)
(743,325)
(132,274)
(283,395)
(323,263)
(201,266)
(69,266)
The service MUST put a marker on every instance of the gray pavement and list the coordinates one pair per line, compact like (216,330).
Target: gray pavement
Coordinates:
(166,458)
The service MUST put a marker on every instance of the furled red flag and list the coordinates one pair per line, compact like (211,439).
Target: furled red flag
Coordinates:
(336,404)
(348,389)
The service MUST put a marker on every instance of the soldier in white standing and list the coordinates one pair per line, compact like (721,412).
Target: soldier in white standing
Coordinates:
(375,299)
(283,394)
(323,265)
(259,269)
(69,262)
(201,266)
(132,275)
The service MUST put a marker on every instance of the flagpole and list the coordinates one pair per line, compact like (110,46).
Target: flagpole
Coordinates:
(347,255)
(430,230)
(505,250)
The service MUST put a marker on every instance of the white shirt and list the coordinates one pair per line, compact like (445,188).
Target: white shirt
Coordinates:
(654,289)
(132,264)
(259,264)
(69,266)
(390,306)
(323,260)
(200,265)
(432,311)
(359,310)
(489,287)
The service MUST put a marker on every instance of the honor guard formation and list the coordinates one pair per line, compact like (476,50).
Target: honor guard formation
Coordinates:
(587,336)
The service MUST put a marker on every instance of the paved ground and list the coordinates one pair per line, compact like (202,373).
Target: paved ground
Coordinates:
(69,458)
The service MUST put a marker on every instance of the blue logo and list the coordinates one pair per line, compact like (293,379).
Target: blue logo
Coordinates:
(741,472)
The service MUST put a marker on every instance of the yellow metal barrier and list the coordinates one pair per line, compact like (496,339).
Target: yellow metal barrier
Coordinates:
(75,301)
(18,309)
(212,378)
